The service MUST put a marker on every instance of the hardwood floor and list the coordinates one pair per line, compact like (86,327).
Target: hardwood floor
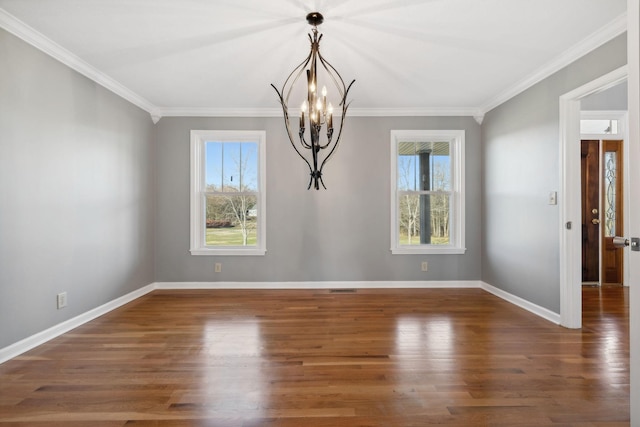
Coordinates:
(310,358)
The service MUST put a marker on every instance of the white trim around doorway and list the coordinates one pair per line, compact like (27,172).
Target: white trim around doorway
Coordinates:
(569,197)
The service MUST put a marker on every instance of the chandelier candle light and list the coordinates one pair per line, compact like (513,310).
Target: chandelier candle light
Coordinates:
(315,112)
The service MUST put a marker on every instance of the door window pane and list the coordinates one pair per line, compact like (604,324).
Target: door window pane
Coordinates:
(610,185)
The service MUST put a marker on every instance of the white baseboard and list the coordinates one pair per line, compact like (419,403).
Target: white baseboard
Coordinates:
(321,285)
(41,337)
(522,303)
(59,329)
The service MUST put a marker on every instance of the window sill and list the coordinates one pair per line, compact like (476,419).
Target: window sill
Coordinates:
(427,251)
(228,251)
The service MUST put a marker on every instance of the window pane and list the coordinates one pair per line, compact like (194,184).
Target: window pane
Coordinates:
(407,173)
(231,166)
(598,126)
(424,166)
(424,219)
(441,173)
(231,220)
(249,166)
(213,166)
(231,159)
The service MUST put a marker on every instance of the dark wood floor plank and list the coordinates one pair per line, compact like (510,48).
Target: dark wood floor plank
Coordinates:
(404,357)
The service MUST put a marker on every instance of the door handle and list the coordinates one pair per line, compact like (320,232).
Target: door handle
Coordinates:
(595,221)
(620,242)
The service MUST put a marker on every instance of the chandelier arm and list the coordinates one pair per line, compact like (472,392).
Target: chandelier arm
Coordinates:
(319,180)
(329,139)
(345,106)
(303,141)
(286,123)
(300,69)
(294,145)
(332,72)
(333,149)
(344,112)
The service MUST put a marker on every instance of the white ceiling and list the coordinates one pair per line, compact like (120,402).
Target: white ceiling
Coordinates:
(408,57)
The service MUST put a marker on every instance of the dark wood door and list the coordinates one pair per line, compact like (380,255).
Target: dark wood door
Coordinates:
(590,167)
(612,203)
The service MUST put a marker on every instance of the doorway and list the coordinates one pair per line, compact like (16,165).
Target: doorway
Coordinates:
(602,202)
(570,195)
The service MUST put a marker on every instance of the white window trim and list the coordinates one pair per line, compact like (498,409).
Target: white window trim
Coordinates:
(456,137)
(198,209)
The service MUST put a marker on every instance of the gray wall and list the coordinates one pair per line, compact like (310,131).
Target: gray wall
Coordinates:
(76,192)
(614,98)
(520,138)
(338,234)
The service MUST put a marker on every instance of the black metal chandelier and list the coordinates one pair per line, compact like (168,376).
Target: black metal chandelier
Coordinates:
(315,112)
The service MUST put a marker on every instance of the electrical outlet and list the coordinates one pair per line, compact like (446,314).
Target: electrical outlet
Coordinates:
(218,267)
(61,300)
(424,266)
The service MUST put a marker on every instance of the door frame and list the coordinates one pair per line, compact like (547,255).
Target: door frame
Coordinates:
(570,197)
(622,134)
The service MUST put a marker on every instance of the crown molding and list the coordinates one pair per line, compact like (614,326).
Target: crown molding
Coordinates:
(219,112)
(414,112)
(595,40)
(353,112)
(36,39)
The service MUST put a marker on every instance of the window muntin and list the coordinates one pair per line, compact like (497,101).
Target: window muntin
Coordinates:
(427,192)
(227,196)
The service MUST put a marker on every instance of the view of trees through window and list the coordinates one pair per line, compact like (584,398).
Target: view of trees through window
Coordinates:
(231,188)
(424,191)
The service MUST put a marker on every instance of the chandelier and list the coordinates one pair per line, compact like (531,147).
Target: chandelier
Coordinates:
(313,144)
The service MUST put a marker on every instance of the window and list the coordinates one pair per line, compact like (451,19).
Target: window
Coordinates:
(227,192)
(599,126)
(427,192)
